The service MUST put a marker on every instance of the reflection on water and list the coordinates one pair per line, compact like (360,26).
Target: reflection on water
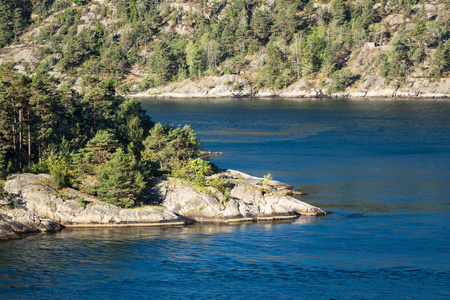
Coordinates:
(345,255)
(382,166)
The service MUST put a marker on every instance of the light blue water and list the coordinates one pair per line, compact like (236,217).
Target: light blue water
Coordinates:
(382,166)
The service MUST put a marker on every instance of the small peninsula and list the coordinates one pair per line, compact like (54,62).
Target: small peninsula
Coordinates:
(96,159)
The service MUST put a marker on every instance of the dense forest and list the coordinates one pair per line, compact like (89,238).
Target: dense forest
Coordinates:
(271,43)
(96,141)
(60,112)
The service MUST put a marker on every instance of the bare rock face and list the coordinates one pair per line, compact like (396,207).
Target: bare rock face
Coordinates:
(188,201)
(15,223)
(74,208)
(40,208)
(250,198)
(33,221)
(210,86)
(10,229)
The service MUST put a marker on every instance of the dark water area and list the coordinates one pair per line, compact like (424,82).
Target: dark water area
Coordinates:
(382,166)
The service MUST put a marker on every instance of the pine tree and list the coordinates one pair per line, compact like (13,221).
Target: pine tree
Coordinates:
(170,146)
(98,151)
(121,183)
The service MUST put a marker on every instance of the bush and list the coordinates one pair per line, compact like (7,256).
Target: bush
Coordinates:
(60,171)
(195,170)
(268,177)
(341,80)
(224,186)
(3,193)
(146,83)
(121,182)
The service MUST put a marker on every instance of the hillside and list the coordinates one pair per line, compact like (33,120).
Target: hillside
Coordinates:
(235,48)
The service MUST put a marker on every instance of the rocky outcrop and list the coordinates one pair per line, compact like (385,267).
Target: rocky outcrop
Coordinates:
(208,87)
(70,207)
(10,229)
(234,86)
(34,205)
(250,198)
(15,223)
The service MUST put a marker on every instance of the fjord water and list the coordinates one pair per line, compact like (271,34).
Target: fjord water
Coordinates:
(382,166)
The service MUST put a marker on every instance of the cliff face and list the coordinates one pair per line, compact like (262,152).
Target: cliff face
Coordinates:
(271,48)
(39,207)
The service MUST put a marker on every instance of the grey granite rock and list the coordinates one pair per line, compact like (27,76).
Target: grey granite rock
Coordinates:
(70,207)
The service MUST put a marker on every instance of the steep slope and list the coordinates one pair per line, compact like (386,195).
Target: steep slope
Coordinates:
(274,48)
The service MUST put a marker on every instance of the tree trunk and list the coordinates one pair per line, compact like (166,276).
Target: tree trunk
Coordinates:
(29,137)
(20,139)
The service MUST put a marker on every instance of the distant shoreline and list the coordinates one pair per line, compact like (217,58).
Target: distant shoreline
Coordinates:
(372,88)
(428,98)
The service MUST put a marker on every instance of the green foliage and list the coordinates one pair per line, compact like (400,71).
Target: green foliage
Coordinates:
(195,170)
(268,177)
(14,16)
(79,138)
(260,24)
(80,2)
(194,59)
(339,11)
(121,182)
(146,83)
(285,40)
(171,146)
(60,171)
(441,60)
(98,151)
(223,186)
(3,193)
(400,60)
(3,164)
(58,165)
(162,62)
(341,79)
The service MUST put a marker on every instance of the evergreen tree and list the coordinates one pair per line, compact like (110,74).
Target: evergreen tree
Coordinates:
(170,146)
(161,62)
(14,112)
(260,24)
(121,183)
(98,151)
(339,12)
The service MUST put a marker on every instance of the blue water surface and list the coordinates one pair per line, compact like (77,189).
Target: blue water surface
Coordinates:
(382,166)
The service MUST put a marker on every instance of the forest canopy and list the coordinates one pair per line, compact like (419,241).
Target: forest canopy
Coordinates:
(272,43)
(96,141)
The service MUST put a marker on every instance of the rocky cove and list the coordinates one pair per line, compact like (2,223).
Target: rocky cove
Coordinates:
(33,205)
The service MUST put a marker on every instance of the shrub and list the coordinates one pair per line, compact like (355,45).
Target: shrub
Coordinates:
(341,79)
(195,170)
(2,191)
(268,177)
(146,83)
(60,171)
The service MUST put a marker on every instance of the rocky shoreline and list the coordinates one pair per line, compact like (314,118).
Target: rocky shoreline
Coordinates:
(235,86)
(33,205)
